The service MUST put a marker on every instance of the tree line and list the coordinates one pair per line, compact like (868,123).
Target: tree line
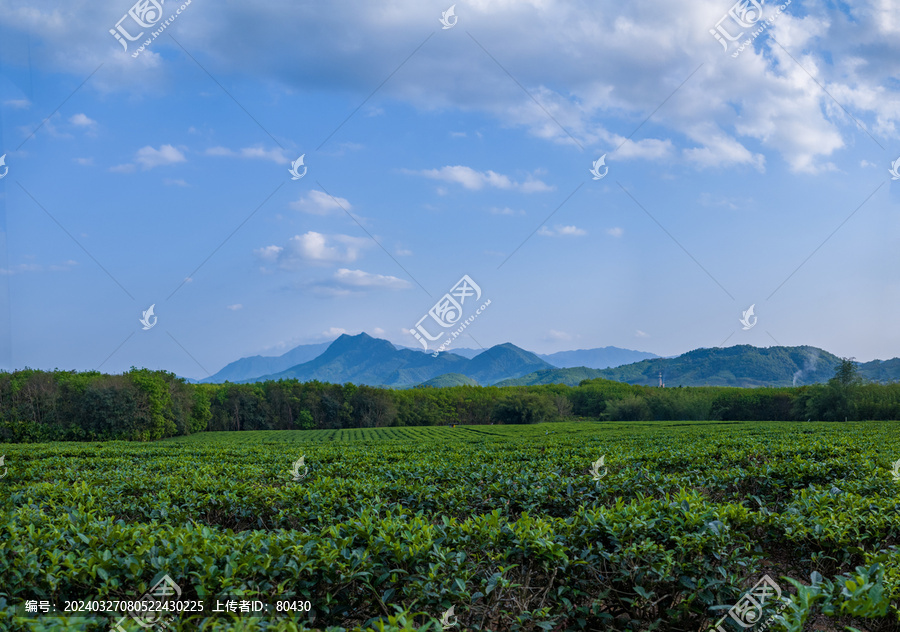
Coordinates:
(145,405)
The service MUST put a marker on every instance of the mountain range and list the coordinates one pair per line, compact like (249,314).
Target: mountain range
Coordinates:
(600,358)
(741,365)
(362,359)
(248,368)
(255,367)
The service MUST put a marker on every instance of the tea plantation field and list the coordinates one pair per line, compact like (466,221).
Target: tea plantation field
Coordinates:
(513,527)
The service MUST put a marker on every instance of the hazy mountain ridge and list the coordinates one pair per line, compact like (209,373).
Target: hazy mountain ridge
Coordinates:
(741,365)
(253,366)
(362,359)
(599,358)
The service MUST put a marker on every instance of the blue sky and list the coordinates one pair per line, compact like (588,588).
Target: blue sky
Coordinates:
(433,153)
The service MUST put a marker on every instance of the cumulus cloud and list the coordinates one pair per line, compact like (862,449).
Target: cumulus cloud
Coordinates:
(320,203)
(82,120)
(315,248)
(148,157)
(474,180)
(362,279)
(615,232)
(763,99)
(269,253)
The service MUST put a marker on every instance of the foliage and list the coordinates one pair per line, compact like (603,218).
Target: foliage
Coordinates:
(522,408)
(394,525)
(144,405)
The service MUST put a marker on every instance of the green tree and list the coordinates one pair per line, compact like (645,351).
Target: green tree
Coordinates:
(305,420)
(523,408)
(629,409)
(836,401)
(847,373)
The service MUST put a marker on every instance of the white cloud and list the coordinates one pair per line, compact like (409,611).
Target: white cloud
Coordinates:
(149,157)
(362,279)
(178,182)
(533,185)
(269,253)
(721,150)
(320,203)
(126,168)
(316,248)
(84,162)
(562,231)
(18,104)
(615,232)
(762,100)
(235,307)
(333,332)
(558,336)
(477,180)
(313,246)
(81,120)
(404,252)
(641,334)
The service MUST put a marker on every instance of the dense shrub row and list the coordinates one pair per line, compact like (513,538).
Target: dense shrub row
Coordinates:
(506,524)
(146,405)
